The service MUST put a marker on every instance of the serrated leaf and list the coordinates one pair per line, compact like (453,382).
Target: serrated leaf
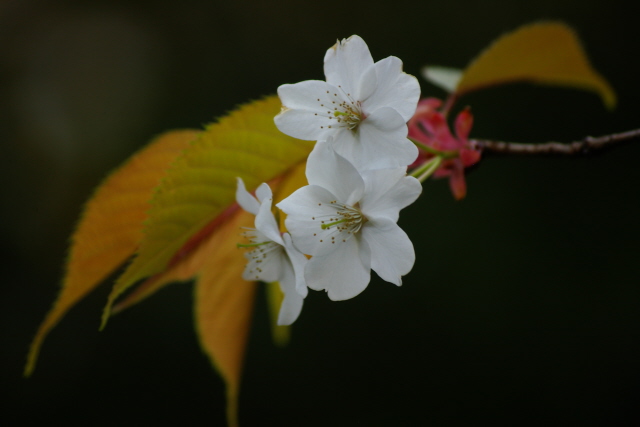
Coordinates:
(201,183)
(110,228)
(543,53)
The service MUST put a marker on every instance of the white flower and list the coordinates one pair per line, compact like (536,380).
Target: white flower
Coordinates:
(347,222)
(273,257)
(362,105)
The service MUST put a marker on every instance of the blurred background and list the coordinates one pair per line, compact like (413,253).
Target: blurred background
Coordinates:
(521,309)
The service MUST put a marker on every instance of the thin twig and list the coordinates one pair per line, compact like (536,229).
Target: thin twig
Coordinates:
(585,146)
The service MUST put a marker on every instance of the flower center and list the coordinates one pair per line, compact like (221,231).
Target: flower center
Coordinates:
(347,112)
(258,257)
(347,218)
(339,226)
(350,114)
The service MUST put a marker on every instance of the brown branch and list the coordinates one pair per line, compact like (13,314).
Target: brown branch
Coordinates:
(585,146)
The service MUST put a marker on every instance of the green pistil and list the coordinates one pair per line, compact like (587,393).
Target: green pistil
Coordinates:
(251,245)
(325,226)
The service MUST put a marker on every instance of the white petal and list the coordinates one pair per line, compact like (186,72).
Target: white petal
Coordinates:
(265,263)
(368,84)
(263,192)
(392,254)
(346,62)
(382,143)
(387,191)
(266,222)
(307,109)
(306,208)
(333,172)
(378,182)
(395,89)
(347,144)
(386,119)
(292,302)
(343,137)
(344,272)
(305,125)
(245,199)
(298,261)
(304,95)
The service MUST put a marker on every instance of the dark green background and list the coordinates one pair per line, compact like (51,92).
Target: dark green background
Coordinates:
(522,306)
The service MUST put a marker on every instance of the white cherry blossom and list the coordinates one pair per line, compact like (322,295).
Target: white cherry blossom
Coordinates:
(347,221)
(272,256)
(364,106)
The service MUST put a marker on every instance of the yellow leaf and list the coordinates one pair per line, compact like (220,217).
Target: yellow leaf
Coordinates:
(201,183)
(110,228)
(544,53)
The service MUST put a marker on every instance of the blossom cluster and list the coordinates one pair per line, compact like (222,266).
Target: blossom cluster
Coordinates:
(344,223)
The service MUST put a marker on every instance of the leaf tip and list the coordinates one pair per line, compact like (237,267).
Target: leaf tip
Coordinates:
(106,313)
(32,358)
(609,98)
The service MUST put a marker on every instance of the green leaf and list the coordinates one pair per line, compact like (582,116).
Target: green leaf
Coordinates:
(201,184)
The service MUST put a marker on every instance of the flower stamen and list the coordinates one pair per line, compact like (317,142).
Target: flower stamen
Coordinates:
(346,219)
(347,112)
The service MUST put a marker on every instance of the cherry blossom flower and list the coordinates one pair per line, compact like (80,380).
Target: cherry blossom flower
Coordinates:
(429,126)
(364,106)
(272,256)
(347,221)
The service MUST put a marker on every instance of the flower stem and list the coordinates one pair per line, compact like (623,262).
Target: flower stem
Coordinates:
(582,147)
(451,154)
(426,170)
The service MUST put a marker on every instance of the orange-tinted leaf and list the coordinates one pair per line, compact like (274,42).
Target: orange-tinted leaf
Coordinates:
(544,53)
(201,183)
(110,228)
(223,300)
(223,306)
